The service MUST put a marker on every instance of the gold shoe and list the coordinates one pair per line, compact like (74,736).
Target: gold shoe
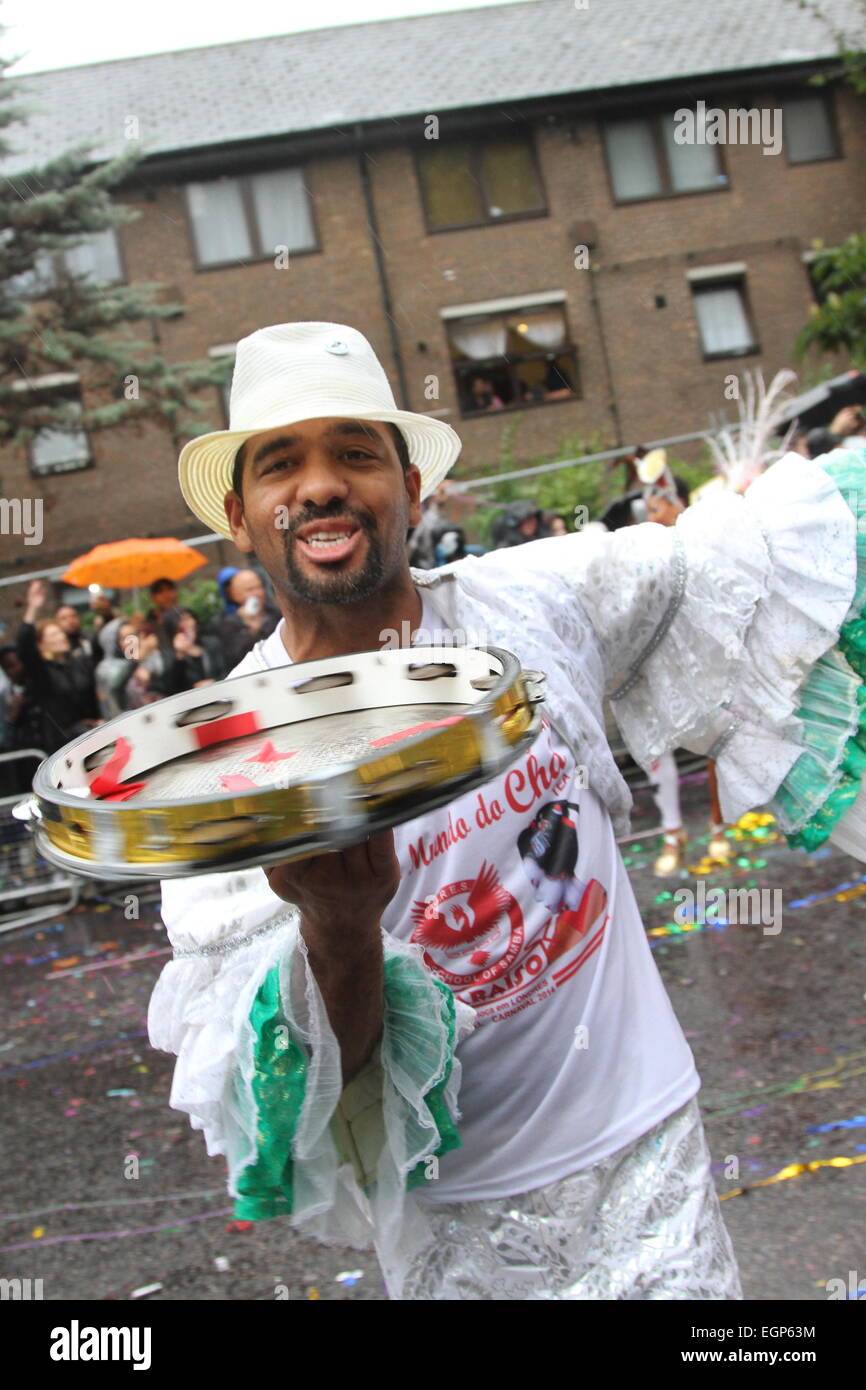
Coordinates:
(719,846)
(673,854)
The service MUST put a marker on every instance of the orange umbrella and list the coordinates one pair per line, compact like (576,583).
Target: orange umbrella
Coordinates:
(128,564)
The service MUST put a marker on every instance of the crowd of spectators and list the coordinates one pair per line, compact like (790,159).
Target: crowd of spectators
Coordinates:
(59,680)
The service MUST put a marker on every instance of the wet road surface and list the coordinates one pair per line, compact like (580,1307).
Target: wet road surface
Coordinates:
(776,1019)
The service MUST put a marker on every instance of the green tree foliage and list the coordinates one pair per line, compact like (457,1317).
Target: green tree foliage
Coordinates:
(590,485)
(838,323)
(54,321)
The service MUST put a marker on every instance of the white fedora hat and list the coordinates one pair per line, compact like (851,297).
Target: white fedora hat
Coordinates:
(305,371)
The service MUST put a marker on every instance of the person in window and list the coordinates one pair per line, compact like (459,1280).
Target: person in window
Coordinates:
(483,395)
(556,384)
(60,683)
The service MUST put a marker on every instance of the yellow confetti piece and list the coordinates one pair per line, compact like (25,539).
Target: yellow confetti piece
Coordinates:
(851,893)
(753,820)
(313,1293)
(795,1170)
(38,1232)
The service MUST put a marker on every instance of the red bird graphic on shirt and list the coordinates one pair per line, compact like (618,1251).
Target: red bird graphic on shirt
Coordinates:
(487,901)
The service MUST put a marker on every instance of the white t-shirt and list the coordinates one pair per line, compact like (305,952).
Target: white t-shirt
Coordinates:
(519,897)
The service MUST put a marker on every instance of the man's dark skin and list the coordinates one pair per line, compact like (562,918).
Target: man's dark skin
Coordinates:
(335,476)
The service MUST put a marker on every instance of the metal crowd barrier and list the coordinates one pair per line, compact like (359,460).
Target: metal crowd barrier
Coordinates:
(31,889)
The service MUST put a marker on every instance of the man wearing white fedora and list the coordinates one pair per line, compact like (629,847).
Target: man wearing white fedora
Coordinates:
(451,1040)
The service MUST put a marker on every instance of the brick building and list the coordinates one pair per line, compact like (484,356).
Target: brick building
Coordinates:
(503,200)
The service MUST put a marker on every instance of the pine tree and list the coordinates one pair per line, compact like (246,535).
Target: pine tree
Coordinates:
(55,320)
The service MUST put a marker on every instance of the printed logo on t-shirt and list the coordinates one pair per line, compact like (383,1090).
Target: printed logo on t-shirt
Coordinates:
(471,930)
(474,934)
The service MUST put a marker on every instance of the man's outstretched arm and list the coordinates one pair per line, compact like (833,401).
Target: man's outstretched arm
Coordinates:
(341,898)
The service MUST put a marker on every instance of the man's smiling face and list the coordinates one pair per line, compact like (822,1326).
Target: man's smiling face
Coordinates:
(325,504)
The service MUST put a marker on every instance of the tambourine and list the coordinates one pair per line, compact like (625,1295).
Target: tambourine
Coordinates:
(284,763)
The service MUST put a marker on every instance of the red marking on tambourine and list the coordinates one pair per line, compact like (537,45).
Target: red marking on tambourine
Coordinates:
(416,729)
(269,754)
(123,793)
(233,726)
(106,784)
(234,782)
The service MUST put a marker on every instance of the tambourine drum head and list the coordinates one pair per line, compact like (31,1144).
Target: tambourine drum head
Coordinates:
(283,764)
(314,745)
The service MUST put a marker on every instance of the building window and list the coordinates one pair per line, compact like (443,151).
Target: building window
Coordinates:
(237,219)
(722,312)
(645,161)
(60,450)
(512,360)
(472,183)
(807,130)
(96,258)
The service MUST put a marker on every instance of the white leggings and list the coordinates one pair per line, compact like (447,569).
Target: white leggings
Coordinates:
(665,782)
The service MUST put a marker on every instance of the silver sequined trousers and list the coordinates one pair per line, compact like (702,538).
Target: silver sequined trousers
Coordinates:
(642,1224)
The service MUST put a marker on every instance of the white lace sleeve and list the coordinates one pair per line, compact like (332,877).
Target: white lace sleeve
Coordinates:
(758,589)
(258,1065)
(707,630)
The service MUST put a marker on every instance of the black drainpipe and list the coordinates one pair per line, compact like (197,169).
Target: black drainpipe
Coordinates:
(613,404)
(372,223)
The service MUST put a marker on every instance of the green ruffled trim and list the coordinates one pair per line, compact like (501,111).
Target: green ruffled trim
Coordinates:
(811,781)
(279,1081)
(852,769)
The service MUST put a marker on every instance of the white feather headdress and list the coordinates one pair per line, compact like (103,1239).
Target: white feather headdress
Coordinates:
(743,451)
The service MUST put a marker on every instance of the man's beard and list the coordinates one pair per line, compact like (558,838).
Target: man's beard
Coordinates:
(334,587)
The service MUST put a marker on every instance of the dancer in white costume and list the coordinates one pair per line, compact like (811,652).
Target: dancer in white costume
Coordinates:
(740,456)
(452,1041)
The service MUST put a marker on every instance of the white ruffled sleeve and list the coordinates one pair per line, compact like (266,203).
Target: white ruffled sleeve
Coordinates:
(258,1069)
(710,630)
